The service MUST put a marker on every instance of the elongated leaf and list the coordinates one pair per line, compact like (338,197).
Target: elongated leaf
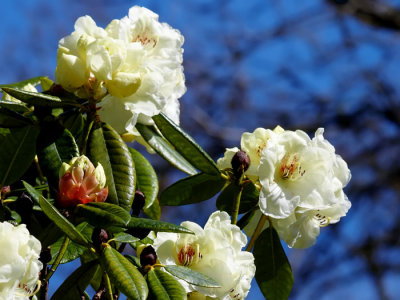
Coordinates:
(164,149)
(74,286)
(17,152)
(154,211)
(34,81)
(146,177)
(273,274)
(185,145)
(14,106)
(38,99)
(123,274)
(248,200)
(163,286)
(191,276)
(192,189)
(32,191)
(66,226)
(156,226)
(107,148)
(73,250)
(10,118)
(104,215)
(125,238)
(74,122)
(51,157)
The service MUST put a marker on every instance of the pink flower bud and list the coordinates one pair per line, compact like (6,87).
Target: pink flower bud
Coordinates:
(81,183)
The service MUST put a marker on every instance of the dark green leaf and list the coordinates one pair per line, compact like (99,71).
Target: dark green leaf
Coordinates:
(163,286)
(164,149)
(123,274)
(107,148)
(104,215)
(146,177)
(51,157)
(74,122)
(66,226)
(191,276)
(14,106)
(273,274)
(192,189)
(17,152)
(156,226)
(242,223)
(34,81)
(74,286)
(125,238)
(73,250)
(185,145)
(10,118)
(32,191)
(248,200)
(38,99)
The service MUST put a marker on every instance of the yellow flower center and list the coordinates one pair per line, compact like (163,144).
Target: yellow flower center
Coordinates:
(290,167)
(188,255)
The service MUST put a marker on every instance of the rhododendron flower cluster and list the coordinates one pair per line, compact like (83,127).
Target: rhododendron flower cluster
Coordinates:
(19,262)
(301,181)
(135,64)
(215,251)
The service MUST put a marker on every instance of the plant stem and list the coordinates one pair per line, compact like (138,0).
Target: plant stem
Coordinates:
(236,205)
(107,283)
(41,176)
(257,232)
(88,128)
(59,257)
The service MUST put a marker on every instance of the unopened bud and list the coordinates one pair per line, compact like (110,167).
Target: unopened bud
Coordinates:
(99,236)
(138,203)
(240,162)
(45,256)
(57,90)
(148,256)
(5,190)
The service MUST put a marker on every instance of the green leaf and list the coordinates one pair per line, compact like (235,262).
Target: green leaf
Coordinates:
(125,238)
(14,106)
(66,226)
(32,191)
(164,149)
(10,118)
(104,215)
(146,177)
(192,189)
(51,157)
(248,200)
(191,276)
(156,226)
(74,122)
(17,152)
(34,81)
(273,274)
(163,286)
(154,211)
(73,250)
(185,145)
(123,274)
(107,148)
(38,99)
(74,286)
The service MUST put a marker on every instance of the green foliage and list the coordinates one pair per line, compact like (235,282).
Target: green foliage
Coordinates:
(17,152)
(273,274)
(156,226)
(248,199)
(66,226)
(192,189)
(123,274)
(146,177)
(107,148)
(164,149)
(43,80)
(74,286)
(164,286)
(192,276)
(10,118)
(123,237)
(185,145)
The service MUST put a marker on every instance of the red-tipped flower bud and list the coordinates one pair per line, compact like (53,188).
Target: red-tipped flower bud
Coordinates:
(240,162)
(148,256)
(80,183)
(99,236)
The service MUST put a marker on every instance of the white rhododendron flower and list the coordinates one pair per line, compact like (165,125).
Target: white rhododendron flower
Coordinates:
(215,251)
(19,262)
(296,171)
(135,64)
